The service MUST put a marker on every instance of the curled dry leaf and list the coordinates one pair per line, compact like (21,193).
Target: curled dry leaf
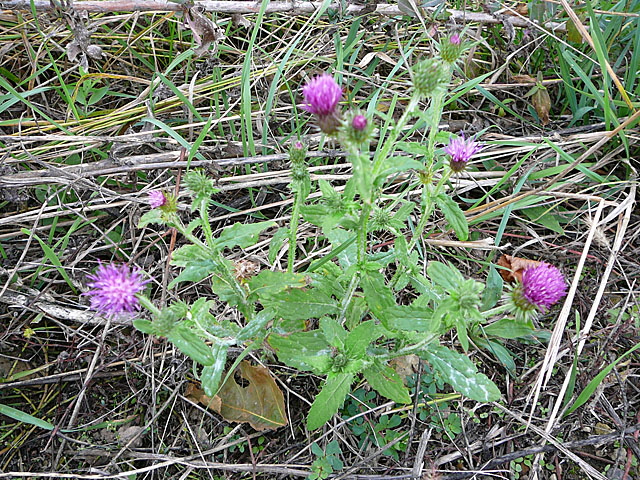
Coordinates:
(204,30)
(514,267)
(405,365)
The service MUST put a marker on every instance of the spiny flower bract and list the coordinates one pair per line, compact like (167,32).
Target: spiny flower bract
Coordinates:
(114,288)
(461,151)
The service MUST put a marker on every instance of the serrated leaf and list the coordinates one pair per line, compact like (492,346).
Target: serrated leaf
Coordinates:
(241,235)
(190,344)
(460,372)
(377,295)
(268,283)
(333,332)
(454,215)
(308,351)
(211,374)
(330,399)
(261,403)
(257,327)
(387,382)
(339,237)
(359,338)
(301,304)
(275,245)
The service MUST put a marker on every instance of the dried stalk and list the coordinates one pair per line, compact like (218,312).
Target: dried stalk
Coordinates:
(249,7)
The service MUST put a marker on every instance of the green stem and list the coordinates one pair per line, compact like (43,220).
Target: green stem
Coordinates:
(206,227)
(293,228)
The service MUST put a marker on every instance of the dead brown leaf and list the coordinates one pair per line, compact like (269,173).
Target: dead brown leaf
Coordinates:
(514,266)
(261,403)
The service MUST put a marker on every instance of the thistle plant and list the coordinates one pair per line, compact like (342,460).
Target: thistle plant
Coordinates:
(338,317)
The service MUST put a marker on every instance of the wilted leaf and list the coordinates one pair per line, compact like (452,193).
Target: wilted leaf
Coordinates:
(197,395)
(204,30)
(261,403)
(405,365)
(514,266)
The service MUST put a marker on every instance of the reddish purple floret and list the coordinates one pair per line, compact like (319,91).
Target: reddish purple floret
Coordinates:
(157,199)
(455,39)
(461,151)
(543,286)
(321,95)
(359,122)
(114,288)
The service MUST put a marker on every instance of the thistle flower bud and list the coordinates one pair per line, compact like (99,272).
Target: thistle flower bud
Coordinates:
(356,129)
(298,152)
(199,186)
(430,77)
(451,48)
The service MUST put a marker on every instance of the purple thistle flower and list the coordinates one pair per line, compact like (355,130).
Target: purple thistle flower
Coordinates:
(359,122)
(455,39)
(322,95)
(114,288)
(543,286)
(461,151)
(157,199)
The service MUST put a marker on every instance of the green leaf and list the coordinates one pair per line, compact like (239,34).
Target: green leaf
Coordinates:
(499,351)
(454,215)
(396,164)
(493,291)
(301,304)
(152,216)
(387,382)
(460,372)
(411,317)
(275,245)
(542,216)
(377,295)
(414,148)
(359,338)
(190,344)
(509,328)
(23,417)
(198,263)
(145,326)
(241,235)
(307,351)
(445,276)
(333,332)
(330,399)
(597,380)
(339,237)
(211,374)
(321,215)
(268,283)
(256,328)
